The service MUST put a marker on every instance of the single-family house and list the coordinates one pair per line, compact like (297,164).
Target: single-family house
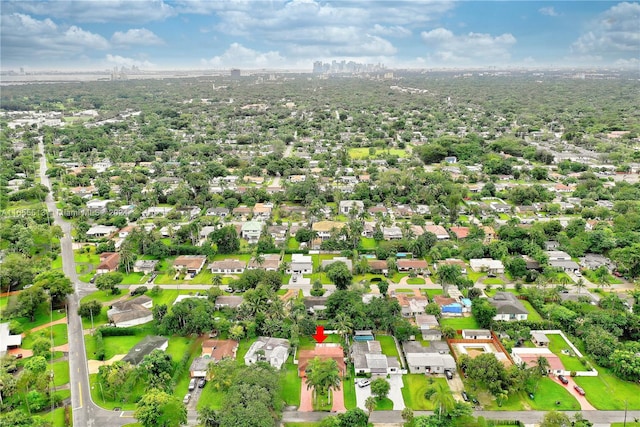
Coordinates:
(411,305)
(155,211)
(428,360)
(275,351)
(191,264)
(378,266)
(251,231)
(460,232)
(146,266)
(508,307)
(346,207)
(322,351)
(429,327)
(392,233)
(448,306)
(530,357)
(98,231)
(144,347)
(378,210)
(220,212)
(368,359)
(227,266)
(7,340)
(228,301)
(212,351)
(476,334)
(109,261)
(489,265)
(324,228)
(262,211)
(98,206)
(440,232)
(500,207)
(269,262)
(315,304)
(206,230)
(131,312)
(300,264)
(125,231)
(417,265)
(595,261)
(327,262)
(562,260)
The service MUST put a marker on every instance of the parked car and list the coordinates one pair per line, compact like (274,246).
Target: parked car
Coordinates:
(448,374)
(363,383)
(531,396)
(577,273)
(563,380)
(187,398)
(19,356)
(93,279)
(192,384)
(579,390)
(465,396)
(201,383)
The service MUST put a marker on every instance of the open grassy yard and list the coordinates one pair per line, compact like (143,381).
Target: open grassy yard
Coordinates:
(556,345)
(42,317)
(55,417)
(80,256)
(98,320)
(415,385)
(104,401)
(178,346)
(291,384)
(367,243)
(416,281)
(388,345)
(384,404)
(101,296)
(59,336)
(349,388)
(460,322)
(60,373)
(608,392)
(134,279)
(548,393)
(309,343)
(432,292)
(119,345)
(534,316)
(493,281)
(475,275)
(243,347)
(210,397)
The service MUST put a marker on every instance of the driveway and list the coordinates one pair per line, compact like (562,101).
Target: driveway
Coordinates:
(338,400)
(457,386)
(395,392)
(306,398)
(582,400)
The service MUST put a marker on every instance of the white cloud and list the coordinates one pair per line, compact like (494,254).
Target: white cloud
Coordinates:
(468,49)
(137,11)
(121,61)
(633,63)
(548,11)
(136,36)
(25,39)
(615,31)
(393,31)
(239,56)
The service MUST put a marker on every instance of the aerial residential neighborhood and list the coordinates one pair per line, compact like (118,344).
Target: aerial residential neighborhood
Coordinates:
(352,246)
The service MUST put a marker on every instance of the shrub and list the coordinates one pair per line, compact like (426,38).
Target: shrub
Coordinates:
(140,290)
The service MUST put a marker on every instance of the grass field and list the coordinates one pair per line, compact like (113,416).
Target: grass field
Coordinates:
(432,292)
(210,397)
(368,243)
(608,392)
(384,404)
(364,153)
(42,317)
(178,346)
(534,316)
(59,336)
(415,385)
(416,281)
(460,323)
(56,418)
(493,281)
(60,373)
(556,345)
(388,345)
(291,384)
(548,393)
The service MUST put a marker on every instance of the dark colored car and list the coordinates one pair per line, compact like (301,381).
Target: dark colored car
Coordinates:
(579,390)
(19,356)
(563,380)
(448,374)
(464,396)
(201,383)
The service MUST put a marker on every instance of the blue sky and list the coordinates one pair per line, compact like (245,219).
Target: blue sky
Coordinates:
(221,34)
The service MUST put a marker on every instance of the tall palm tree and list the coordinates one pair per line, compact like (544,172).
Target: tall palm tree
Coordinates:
(370,404)
(580,284)
(323,374)
(543,365)
(442,399)
(216,280)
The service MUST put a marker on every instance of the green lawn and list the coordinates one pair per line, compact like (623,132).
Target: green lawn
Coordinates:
(293,244)
(415,385)
(243,347)
(556,345)
(178,346)
(291,384)
(493,281)
(475,275)
(60,373)
(368,243)
(309,343)
(384,404)
(101,296)
(460,322)
(98,320)
(59,336)
(80,256)
(548,393)
(134,279)
(56,418)
(210,397)
(349,388)
(56,264)
(534,316)
(363,152)
(119,345)
(42,317)
(628,424)
(608,392)
(388,345)
(106,402)
(432,292)
(416,281)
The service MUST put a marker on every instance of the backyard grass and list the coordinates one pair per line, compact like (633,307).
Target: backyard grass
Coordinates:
(608,392)
(80,256)
(534,316)
(388,345)
(556,345)
(104,401)
(59,336)
(384,404)
(293,244)
(493,281)
(243,347)
(291,384)
(367,243)
(415,385)
(60,373)
(101,296)
(460,322)
(309,343)
(432,292)
(42,317)
(178,346)
(210,397)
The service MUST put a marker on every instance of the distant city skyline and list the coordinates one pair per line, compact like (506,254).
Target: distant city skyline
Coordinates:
(250,35)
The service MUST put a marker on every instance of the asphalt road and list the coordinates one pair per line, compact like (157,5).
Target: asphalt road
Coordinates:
(85,412)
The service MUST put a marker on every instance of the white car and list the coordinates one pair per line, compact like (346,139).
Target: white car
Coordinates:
(363,383)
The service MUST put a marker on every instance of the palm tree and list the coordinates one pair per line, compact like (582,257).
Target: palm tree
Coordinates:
(323,374)
(448,274)
(370,404)
(343,325)
(501,396)
(580,284)
(442,399)
(543,365)
(216,280)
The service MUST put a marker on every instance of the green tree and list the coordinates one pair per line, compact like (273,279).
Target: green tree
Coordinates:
(109,281)
(29,300)
(226,239)
(555,419)
(339,274)
(442,399)
(323,375)
(370,404)
(58,285)
(89,308)
(483,312)
(159,409)
(380,388)
(449,274)
(157,367)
